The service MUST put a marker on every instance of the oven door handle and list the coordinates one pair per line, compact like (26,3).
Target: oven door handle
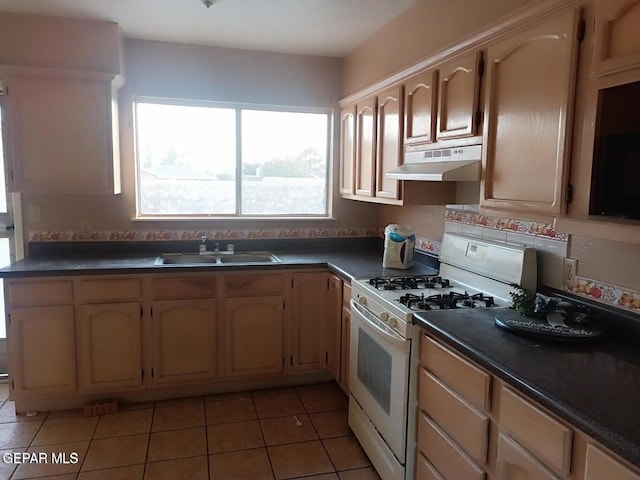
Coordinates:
(375,325)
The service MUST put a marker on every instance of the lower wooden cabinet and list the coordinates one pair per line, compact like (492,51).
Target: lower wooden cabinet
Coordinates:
(184,340)
(253,332)
(110,346)
(309,326)
(467,430)
(516,463)
(601,466)
(43,350)
(334,326)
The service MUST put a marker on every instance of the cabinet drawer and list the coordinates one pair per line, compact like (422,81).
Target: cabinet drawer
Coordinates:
(462,422)
(112,289)
(447,457)
(601,466)
(346,293)
(249,285)
(465,378)
(516,462)
(545,437)
(184,287)
(426,471)
(40,292)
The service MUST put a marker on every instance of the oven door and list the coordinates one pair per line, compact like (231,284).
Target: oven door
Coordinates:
(379,376)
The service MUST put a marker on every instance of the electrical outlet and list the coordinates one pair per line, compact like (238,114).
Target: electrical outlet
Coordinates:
(570,267)
(35,214)
(85,228)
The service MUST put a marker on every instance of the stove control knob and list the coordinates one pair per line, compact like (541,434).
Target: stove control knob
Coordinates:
(384,316)
(362,300)
(393,322)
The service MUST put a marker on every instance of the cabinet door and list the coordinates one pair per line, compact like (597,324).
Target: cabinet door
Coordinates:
(310,308)
(531,81)
(347,150)
(515,463)
(334,326)
(253,330)
(390,141)
(365,147)
(616,45)
(184,340)
(60,136)
(43,354)
(458,92)
(600,466)
(111,345)
(420,108)
(346,338)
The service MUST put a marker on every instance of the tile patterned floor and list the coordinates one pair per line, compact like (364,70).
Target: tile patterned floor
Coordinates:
(299,432)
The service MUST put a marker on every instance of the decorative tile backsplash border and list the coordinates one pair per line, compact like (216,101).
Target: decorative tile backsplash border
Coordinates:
(503,223)
(222,234)
(606,293)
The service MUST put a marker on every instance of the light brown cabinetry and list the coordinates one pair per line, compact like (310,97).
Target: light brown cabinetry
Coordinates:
(184,329)
(254,324)
(110,346)
(339,325)
(41,336)
(601,466)
(516,463)
(347,150)
(345,341)
(109,326)
(545,437)
(310,317)
(420,101)
(616,47)
(334,326)
(184,340)
(62,134)
(453,426)
(458,94)
(377,148)
(42,349)
(529,100)
(472,425)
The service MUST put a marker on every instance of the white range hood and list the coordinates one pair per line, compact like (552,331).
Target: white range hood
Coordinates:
(457,164)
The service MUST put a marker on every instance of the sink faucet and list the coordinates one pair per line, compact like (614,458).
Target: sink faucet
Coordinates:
(203,245)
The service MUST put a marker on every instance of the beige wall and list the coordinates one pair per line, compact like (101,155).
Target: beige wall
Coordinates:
(418,32)
(209,73)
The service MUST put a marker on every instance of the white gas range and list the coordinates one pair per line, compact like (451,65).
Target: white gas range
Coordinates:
(385,343)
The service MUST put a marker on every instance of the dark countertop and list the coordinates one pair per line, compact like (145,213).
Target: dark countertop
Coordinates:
(349,259)
(594,387)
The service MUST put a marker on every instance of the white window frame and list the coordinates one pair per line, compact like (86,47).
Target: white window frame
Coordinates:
(238,107)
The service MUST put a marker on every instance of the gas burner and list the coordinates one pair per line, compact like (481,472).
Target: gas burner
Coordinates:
(442,301)
(478,297)
(409,283)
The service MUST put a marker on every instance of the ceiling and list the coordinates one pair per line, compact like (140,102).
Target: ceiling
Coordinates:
(314,27)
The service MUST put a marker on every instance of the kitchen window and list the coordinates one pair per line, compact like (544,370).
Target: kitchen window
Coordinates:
(203,159)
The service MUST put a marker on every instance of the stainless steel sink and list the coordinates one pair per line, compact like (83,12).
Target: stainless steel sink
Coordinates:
(216,258)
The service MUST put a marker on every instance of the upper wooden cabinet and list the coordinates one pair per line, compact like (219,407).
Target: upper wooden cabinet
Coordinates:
(529,99)
(347,150)
(365,147)
(616,46)
(377,148)
(458,93)
(420,102)
(390,141)
(62,134)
